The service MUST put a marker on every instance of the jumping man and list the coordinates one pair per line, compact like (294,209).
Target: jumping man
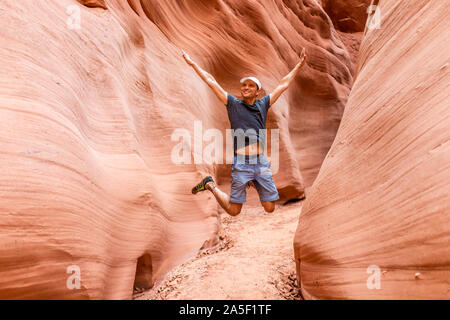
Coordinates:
(249,114)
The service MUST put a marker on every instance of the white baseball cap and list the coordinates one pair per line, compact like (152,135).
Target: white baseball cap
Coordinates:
(255,80)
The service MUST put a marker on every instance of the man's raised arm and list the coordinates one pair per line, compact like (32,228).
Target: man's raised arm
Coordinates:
(208,78)
(286,81)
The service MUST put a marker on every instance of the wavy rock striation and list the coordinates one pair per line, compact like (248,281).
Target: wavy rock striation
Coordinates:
(91,92)
(376,223)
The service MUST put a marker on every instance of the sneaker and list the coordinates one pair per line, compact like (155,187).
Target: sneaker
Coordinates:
(202,185)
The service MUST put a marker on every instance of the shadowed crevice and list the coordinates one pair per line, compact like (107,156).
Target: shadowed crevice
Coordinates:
(144,271)
(93,3)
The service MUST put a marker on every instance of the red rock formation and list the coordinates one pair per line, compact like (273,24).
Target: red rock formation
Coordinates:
(89,98)
(379,209)
(349,18)
(348,15)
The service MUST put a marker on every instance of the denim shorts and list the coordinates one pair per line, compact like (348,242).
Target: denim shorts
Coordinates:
(254,168)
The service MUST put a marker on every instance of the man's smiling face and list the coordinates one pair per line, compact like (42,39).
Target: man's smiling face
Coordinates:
(249,89)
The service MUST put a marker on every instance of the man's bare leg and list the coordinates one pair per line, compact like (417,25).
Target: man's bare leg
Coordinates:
(233,209)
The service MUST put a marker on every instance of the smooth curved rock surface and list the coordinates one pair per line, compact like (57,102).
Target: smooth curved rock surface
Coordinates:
(89,98)
(376,223)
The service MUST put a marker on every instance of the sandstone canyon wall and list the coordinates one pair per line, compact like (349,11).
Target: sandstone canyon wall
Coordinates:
(376,224)
(348,15)
(89,98)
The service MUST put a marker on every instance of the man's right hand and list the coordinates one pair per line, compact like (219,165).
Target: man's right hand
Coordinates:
(187,58)
(208,79)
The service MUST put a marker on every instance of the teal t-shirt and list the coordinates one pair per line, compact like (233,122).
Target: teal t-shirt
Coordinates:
(248,122)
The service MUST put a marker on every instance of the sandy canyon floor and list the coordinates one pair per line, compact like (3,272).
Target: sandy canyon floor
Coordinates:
(254,260)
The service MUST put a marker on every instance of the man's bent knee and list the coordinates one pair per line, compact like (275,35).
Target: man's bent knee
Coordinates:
(269,206)
(234,209)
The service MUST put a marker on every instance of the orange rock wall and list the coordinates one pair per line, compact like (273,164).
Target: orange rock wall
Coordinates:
(89,98)
(376,222)
(348,15)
